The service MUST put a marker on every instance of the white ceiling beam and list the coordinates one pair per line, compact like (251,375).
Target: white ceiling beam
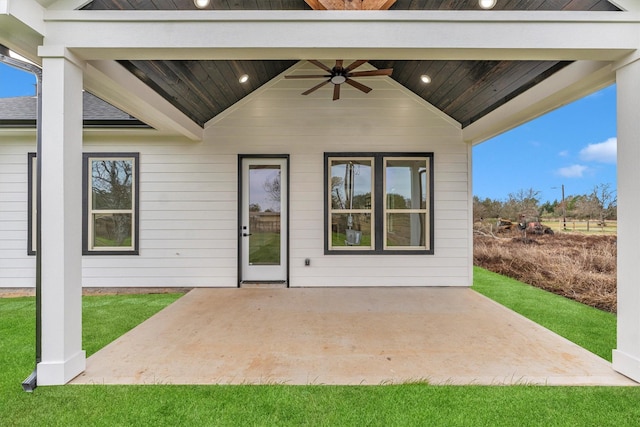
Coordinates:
(571,83)
(30,12)
(22,26)
(398,35)
(113,83)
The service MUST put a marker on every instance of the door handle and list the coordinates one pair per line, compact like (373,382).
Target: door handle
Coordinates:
(246,234)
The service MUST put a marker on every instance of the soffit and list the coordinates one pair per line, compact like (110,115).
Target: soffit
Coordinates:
(464,90)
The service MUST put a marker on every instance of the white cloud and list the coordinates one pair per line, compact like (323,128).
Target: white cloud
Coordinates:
(563,153)
(603,152)
(573,171)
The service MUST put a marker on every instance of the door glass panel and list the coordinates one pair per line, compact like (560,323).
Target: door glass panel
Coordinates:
(264,214)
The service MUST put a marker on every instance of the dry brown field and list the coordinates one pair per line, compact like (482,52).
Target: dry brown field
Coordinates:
(578,266)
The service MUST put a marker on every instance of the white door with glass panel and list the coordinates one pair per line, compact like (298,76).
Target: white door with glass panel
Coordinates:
(263,226)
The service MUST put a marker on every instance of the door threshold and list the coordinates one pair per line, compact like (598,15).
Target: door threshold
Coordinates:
(263,284)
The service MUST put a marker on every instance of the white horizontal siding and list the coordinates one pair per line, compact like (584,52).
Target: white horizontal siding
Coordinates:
(385,123)
(165,281)
(18,252)
(179,245)
(188,200)
(17,269)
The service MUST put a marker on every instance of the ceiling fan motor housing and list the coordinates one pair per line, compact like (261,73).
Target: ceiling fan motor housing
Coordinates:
(339,75)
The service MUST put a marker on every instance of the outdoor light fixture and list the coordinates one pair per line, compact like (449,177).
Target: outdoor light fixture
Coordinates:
(243,78)
(201,4)
(487,4)
(425,79)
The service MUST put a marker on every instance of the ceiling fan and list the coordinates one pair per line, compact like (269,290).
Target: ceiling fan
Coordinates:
(339,75)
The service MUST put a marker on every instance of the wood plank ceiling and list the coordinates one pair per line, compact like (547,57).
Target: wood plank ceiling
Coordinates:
(465,90)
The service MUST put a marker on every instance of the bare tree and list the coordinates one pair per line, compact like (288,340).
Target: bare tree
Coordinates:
(486,208)
(605,199)
(112,189)
(337,200)
(523,202)
(272,187)
(586,207)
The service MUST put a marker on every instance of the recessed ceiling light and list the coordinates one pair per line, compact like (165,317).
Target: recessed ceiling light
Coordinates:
(487,4)
(425,79)
(243,78)
(201,4)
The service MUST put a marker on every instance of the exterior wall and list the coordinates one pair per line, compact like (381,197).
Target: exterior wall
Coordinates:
(188,191)
(16,268)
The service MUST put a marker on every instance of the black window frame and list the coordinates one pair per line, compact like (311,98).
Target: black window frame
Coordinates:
(379,197)
(31,205)
(86,157)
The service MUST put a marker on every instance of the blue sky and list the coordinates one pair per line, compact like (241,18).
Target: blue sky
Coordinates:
(14,82)
(574,146)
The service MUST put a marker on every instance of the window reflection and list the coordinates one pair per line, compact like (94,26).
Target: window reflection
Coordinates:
(406,184)
(351,186)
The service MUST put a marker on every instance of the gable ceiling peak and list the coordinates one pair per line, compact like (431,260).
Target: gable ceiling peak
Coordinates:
(350,4)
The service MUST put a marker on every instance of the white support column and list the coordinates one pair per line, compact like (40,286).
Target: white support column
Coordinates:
(62,354)
(626,358)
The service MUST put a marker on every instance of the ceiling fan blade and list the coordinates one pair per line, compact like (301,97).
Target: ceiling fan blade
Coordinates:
(355,65)
(320,65)
(339,63)
(336,92)
(383,72)
(310,76)
(357,85)
(316,87)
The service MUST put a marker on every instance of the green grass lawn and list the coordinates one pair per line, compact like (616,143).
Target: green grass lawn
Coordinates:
(106,317)
(340,239)
(586,326)
(264,248)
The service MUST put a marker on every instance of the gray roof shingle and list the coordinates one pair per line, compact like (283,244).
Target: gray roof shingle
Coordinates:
(21,112)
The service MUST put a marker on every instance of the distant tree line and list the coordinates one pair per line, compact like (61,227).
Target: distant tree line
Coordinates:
(600,204)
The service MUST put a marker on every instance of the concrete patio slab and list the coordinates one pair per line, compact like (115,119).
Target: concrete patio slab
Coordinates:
(343,336)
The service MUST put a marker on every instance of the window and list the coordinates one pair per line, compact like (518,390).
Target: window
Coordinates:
(351,201)
(31,203)
(405,203)
(379,203)
(110,204)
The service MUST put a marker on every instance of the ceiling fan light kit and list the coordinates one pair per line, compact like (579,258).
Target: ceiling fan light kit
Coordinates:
(338,80)
(339,75)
